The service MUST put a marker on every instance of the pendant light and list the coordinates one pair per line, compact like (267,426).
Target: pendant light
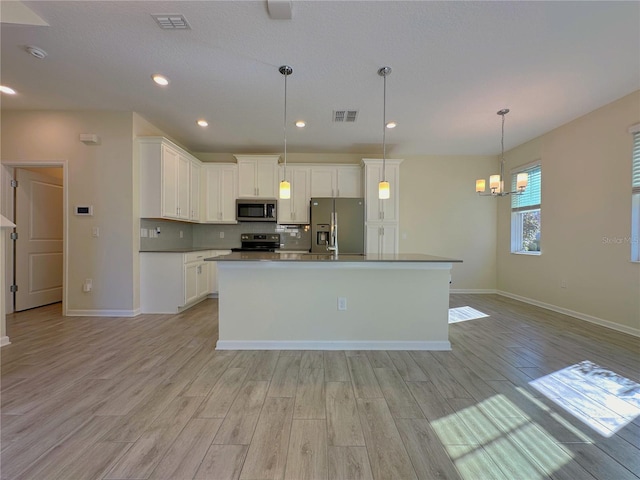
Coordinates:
(496,182)
(383,187)
(285,186)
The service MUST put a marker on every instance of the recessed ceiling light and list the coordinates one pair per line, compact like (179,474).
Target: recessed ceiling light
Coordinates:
(392,124)
(203,123)
(160,79)
(7,90)
(36,51)
(300,124)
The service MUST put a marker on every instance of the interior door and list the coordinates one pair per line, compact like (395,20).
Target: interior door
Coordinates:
(39,226)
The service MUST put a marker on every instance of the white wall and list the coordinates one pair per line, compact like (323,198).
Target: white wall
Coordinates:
(98,175)
(586,198)
(440,214)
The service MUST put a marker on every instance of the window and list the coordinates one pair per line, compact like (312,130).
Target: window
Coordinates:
(635,195)
(525,212)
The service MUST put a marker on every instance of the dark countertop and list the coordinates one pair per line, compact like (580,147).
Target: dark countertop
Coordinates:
(184,250)
(342,258)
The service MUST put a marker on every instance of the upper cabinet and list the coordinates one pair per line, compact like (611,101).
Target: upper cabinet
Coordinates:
(165,179)
(194,187)
(382,210)
(336,181)
(257,176)
(296,209)
(219,192)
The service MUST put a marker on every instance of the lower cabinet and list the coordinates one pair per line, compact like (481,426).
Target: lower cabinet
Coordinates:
(382,238)
(172,282)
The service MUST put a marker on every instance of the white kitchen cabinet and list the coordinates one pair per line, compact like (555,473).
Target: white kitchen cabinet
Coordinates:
(194,190)
(296,209)
(257,176)
(219,192)
(382,238)
(336,181)
(165,179)
(172,282)
(382,210)
(213,271)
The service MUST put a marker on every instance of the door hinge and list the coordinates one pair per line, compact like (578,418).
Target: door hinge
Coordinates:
(14,235)
(14,183)
(13,288)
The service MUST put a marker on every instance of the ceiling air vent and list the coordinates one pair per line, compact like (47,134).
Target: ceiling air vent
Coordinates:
(172,22)
(345,115)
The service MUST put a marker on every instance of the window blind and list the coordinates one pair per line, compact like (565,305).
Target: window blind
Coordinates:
(532,194)
(635,175)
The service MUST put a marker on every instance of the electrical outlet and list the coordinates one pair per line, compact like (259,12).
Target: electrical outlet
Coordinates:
(95,232)
(144,233)
(221,234)
(563,283)
(87,285)
(157,231)
(181,234)
(342,303)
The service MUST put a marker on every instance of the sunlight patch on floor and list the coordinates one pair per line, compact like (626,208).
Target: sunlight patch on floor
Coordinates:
(462,314)
(495,437)
(600,398)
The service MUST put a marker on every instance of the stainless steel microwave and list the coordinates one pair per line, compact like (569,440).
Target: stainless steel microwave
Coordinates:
(256,209)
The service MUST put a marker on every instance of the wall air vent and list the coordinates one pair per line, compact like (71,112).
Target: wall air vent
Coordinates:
(172,22)
(345,115)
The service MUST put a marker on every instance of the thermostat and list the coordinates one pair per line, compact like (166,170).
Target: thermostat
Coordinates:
(84,210)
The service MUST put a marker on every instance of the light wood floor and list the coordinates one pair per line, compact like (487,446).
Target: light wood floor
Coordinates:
(149,397)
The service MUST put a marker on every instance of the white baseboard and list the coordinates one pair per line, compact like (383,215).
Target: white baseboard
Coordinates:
(484,291)
(4,341)
(103,313)
(329,345)
(581,316)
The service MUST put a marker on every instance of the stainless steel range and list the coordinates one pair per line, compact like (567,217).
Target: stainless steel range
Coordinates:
(258,242)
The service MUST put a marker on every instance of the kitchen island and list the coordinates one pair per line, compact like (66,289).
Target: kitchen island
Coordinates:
(285,301)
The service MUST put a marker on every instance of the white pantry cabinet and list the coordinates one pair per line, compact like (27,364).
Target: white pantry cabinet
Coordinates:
(165,179)
(219,192)
(257,176)
(336,181)
(296,209)
(382,210)
(382,216)
(382,238)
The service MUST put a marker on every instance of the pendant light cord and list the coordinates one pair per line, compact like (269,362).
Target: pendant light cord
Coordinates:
(284,126)
(384,127)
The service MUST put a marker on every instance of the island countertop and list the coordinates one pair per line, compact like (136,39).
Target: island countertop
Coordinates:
(326,258)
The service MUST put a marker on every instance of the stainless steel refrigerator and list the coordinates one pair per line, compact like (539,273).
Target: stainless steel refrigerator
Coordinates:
(342,215)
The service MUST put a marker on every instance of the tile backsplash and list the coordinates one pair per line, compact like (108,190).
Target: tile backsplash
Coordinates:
(218,236)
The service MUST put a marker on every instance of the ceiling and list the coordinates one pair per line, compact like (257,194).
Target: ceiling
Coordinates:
(455,64)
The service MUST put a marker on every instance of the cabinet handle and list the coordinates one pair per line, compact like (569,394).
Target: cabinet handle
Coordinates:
(382,214)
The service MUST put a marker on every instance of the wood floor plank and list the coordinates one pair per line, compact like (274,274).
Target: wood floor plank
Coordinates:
(335,367)
(349,463)
(285,377)
(310,395)
(222,462)
(94,462)
(364,380)
(264,366)
(140,460)
(343,422)
(473,461)
(183,458)
(439,376)
(429,458)
(387,454)
(267,455)
(311,359)
(239,424)
(407,367)
(222,395)
(379,359)
(210,374)
(401,402)
(307,456)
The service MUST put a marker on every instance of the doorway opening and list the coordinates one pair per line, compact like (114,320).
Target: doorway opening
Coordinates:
(34,197)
